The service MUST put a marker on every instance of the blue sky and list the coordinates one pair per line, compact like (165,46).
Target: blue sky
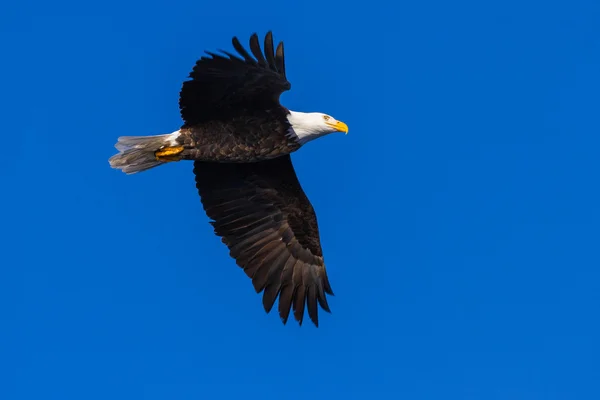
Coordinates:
(459,217)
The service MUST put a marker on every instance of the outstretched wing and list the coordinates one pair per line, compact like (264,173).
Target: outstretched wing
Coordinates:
(267,222)
(222,84)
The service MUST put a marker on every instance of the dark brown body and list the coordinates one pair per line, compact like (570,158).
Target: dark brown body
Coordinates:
(243,138)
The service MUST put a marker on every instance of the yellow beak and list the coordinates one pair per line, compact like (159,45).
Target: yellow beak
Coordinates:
(339,126)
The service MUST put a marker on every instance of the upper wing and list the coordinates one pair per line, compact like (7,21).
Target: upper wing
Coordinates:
(266,220)
(222,83)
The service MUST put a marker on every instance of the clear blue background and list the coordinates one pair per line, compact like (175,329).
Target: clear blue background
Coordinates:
(460,216)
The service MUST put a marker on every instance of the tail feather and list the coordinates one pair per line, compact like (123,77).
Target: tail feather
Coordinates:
(137,153)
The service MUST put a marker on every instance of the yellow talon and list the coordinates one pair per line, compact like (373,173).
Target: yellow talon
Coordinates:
(169,154)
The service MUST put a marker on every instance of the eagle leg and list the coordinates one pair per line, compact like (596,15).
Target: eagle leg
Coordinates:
(169,153)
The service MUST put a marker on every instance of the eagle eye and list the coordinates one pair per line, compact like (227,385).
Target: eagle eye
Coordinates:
(326,117)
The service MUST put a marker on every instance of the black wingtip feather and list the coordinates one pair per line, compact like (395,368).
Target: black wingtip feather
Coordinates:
(299,303)
(311,300)
(280,59)
(327,286)
(231,56)
(323,301)
(270,295)
(240,49)
(256,50)
(270,51)
(285,302)
(215,55)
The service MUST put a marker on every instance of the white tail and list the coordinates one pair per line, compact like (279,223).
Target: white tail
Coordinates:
(136,153)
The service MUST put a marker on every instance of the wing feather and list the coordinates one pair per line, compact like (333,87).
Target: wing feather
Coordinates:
(270,295)
(270,52)
(240,49)
(299,302)
(255,48)
(285,302)
(311,303)
(264,265)
(280,59)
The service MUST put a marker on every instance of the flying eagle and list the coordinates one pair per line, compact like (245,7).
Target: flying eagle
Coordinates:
(240,139)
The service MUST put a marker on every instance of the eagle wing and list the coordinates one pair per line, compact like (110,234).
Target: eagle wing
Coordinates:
(222,84)
(264,217)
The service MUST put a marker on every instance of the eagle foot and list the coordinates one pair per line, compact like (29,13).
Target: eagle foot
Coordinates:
(169,154)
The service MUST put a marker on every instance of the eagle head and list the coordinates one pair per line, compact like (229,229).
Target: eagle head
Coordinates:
(309,126)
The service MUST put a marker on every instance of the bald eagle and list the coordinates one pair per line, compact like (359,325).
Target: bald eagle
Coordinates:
(240,139)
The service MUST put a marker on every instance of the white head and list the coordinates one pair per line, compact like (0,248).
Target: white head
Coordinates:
(309,126)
